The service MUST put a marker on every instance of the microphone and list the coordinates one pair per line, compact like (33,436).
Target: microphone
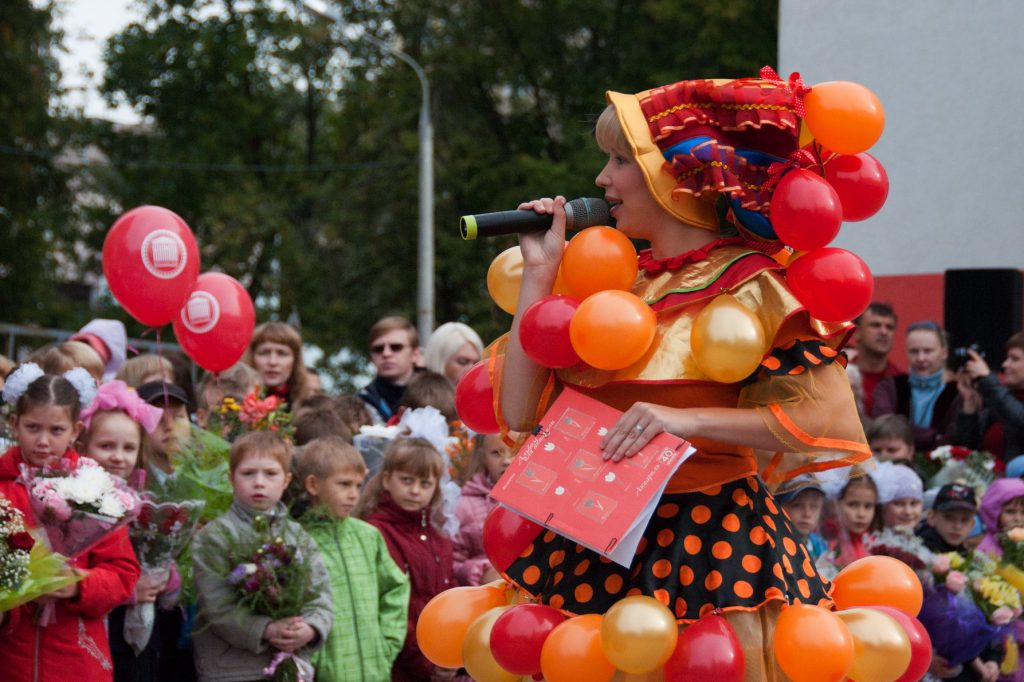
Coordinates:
(579,213)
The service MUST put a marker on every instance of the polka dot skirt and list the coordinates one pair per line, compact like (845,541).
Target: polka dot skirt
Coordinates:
(726,547)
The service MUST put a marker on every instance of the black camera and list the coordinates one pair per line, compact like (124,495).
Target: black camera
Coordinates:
(959,357)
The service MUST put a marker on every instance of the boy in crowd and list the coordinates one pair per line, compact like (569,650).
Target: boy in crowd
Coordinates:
(231,641)
(370,592)
(804,506)
(891,439)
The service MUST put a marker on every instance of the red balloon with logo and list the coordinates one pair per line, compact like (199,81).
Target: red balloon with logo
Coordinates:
(151,262)
(861,183)
(505,536)
(474,400)
(215,325)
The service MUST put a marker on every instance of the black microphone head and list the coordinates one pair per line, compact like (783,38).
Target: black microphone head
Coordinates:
(587,212)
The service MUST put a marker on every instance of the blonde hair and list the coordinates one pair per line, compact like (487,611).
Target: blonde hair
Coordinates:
(609,135)
(68,355)
(97,419)
(321,457)
(413,456)
(446,341)
(477,457)
(136,370)
(386,325)
(286,335)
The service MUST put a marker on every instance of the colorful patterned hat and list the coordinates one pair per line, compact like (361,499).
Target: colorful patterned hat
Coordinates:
(695,140)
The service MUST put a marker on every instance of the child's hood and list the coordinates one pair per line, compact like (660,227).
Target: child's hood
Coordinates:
(999,492)
(478,486)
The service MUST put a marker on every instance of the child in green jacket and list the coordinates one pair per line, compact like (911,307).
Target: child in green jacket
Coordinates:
(370,592)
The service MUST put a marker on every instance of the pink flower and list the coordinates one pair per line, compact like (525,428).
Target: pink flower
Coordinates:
(940,565)
(1002,615)
(956,581)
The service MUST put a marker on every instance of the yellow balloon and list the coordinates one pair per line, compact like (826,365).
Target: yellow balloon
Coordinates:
(727,340)
(476,650)
(638,634)
(881,648)
(504,277)
(806,137)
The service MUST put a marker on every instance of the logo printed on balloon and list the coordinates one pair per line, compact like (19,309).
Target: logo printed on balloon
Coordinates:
(201,312)
(164,254)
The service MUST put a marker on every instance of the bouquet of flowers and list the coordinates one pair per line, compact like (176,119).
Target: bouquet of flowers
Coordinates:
(256,412)
(1011,566)
(77,504)
(459,449)
(901,543)
(159,534)
(975,468)
(27,568)
(272,579)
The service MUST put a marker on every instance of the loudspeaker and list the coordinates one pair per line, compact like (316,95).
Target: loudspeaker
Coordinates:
(983,306)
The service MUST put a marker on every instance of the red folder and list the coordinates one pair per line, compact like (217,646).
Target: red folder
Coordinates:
(560,479)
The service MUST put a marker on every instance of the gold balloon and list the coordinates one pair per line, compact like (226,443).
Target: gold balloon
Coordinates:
(638,634)
(476,650)
(504,277)
(653,676)
(728,340)
(881,646)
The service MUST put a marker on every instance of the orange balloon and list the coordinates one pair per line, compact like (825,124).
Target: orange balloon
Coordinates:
(728,340)
(599,258)
(444,620)
(844,117)
(612,329)
(881,645)
(878,581)
(572,652)
(560,288)
(812,645)
(504,276)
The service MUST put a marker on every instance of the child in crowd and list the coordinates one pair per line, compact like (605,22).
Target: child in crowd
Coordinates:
(891,438)
(900,494)
(236,382)
(857,512)
(113,436)
(174,430)
(370,592)
(400,501)
(321,422)
(429,389)
(62,357)
(1002,508)
(353,412)
(950,519)
(804,505)
(145,368)
(73,646)
(488,461)
(230,641)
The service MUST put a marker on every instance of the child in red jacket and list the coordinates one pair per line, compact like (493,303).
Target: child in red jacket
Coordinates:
(73,646)
(402,501)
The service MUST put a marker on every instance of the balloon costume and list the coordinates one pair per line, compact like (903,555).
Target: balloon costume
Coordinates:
(718,540)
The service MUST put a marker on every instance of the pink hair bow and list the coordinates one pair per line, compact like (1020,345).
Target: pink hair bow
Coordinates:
(117,395)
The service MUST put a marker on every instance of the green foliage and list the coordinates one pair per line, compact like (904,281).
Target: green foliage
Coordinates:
(290,145)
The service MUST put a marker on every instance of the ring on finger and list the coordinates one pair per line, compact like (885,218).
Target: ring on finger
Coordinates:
(639,428)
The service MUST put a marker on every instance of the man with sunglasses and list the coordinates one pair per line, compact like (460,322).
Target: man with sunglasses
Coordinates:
(395,353)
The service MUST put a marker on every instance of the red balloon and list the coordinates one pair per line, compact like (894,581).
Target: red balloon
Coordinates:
(215,325)
(544,331)
(805,210)
(861,183)
(518,636)
(505,536)
(151,262)
(707,650)
(834,284)
(920,643)
(474,400)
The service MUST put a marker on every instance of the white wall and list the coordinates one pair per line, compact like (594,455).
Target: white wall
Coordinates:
(950,74)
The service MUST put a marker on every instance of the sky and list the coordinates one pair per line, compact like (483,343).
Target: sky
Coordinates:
(87,24)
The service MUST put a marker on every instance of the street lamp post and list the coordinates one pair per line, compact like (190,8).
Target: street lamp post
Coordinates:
(425,253)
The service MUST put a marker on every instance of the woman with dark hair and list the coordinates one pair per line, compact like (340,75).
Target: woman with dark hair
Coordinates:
(275,352)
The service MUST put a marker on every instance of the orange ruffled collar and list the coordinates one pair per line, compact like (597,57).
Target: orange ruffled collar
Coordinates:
(652,266)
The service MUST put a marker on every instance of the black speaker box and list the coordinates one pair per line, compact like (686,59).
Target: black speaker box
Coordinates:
(983,306)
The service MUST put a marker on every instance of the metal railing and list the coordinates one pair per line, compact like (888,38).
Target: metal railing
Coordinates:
(18,348)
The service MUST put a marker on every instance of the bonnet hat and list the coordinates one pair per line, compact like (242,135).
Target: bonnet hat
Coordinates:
(696,139)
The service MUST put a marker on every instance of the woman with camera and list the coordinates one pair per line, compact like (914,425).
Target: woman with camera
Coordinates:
(927,396)
(991,414)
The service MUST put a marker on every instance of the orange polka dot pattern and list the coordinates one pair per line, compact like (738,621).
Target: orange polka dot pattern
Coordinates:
(730,546)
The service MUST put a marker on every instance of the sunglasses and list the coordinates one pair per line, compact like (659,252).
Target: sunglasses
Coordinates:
(378,348)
